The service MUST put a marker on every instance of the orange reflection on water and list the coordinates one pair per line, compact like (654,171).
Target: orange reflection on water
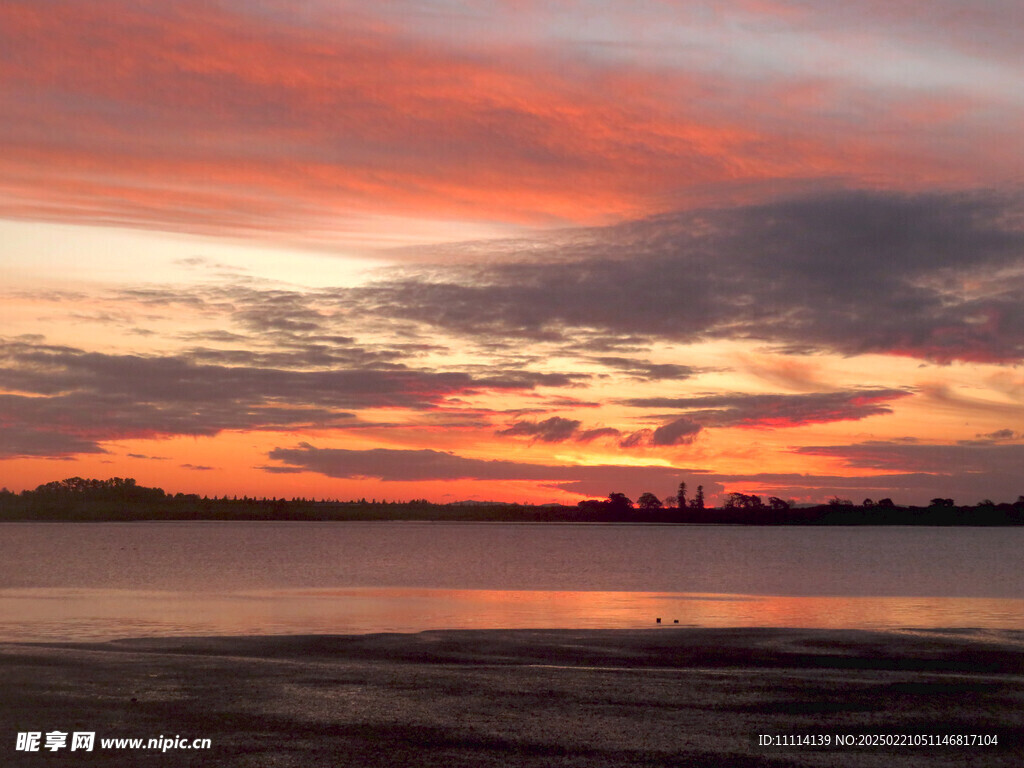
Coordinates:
(89,614)
(848,612)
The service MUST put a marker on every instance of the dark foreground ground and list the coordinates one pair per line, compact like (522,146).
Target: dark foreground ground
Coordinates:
(587,699)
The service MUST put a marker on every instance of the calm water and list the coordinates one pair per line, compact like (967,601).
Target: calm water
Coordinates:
(100,580)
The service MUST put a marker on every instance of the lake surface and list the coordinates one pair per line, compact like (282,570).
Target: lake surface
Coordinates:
(71,581)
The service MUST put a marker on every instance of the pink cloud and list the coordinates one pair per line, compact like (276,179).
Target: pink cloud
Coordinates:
(206,118)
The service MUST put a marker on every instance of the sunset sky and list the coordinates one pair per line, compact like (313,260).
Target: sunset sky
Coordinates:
(513,250)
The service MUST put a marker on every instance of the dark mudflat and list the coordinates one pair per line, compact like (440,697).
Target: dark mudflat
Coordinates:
(587,699)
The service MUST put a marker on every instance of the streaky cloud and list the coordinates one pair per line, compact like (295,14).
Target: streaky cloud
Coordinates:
(896,470)
(63,400)
(19,441)
(982,458)
(777,411)
(408,465)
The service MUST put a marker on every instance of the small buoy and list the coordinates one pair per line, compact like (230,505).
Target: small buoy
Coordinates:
(657,621)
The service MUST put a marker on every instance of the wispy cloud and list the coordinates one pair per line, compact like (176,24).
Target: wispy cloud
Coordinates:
(274,121)
(777,411)
(644,370)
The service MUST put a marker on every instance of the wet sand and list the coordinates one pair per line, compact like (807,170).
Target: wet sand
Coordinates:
(660,697)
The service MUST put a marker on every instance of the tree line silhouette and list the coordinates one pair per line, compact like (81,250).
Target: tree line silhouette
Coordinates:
(78,499)
(750,509)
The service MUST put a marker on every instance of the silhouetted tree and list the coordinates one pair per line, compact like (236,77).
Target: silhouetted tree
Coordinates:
(114,489)
(698,500)
(648,501)
(867,503)
(744,501)
(681,496)
(777,504)
(886,502)
(619,502)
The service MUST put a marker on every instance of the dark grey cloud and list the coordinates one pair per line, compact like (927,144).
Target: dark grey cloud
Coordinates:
(77,422)
(922,457)
(934,276)
(679,432)
(281,312)
(53,370)
(283,328)
(641,437)
(420,465)
(65,400)
(405,465)
(1000,435)
(19,440)
(219,336)
(557,430)
(572,402)
(647,371)
(553,430)
(772,410)
(937,276)
(586,342)
(588,435)
(311,354)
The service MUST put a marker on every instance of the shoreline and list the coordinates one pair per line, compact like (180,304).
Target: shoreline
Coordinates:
(470,521)
(655,697)
(799,525)
(84,615)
